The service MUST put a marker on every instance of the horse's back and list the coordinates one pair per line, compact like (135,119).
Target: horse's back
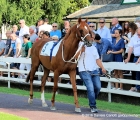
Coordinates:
(39,44)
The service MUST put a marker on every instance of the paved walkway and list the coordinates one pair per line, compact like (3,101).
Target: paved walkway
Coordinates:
(18,105)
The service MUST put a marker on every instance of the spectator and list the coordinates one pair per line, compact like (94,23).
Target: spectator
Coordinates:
(45,26)
(8,42)
(115,26)
(39,23)
(40,35)
(87,66)
(137,21)
(103,31)
(33,35)
(102,45)
(132,28)
(2,48)
(55,31)
(46,35)
(117,50)
(134,46)
(23,30)
(15,46)
(126,34)
(92,27)
(66,25)
(25,53)
(15,30)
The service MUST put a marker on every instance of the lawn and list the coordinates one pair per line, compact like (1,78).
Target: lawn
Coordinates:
(5,116)
(102,105)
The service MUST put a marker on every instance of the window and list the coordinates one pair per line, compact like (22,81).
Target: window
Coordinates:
(130,1)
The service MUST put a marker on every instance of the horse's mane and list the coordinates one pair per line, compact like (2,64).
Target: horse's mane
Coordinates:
(72,29)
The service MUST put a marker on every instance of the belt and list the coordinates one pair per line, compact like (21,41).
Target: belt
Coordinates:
(137,56)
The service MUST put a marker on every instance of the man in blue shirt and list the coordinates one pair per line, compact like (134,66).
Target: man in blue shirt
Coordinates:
(55,31)
(102,45)
(103,31)
(115,26)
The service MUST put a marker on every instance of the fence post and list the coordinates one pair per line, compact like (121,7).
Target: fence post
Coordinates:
(8,75)
(109,87)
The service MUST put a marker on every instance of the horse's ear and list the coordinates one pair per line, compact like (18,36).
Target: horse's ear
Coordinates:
(79,20)
(86,20)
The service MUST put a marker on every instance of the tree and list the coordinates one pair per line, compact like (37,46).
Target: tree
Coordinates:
(76,5)
(55,9)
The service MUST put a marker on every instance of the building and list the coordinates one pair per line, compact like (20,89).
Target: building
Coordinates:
(124,10)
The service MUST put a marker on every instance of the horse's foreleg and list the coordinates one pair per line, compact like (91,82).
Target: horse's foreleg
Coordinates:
(72,75)
(43,82)
(55,87)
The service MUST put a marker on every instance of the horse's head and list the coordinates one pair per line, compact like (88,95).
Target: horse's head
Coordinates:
(84,32)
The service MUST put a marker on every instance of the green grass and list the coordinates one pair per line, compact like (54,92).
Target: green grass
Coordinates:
(5,116)
(102,105)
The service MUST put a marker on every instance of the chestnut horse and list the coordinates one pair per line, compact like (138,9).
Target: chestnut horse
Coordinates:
(61,63)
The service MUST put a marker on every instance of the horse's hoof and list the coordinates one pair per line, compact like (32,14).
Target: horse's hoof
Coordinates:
(53,108)
(30,101)
(44,105)
(77,110)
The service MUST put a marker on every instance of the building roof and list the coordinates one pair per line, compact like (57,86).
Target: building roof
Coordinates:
(107,11)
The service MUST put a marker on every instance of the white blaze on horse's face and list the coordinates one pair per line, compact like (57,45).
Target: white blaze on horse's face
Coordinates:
(86,27)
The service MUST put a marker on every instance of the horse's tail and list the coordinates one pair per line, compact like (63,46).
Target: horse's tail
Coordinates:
(28,77)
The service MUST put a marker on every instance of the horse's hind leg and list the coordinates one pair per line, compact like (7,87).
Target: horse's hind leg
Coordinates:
(31,75)
(55,87)
(72,75)
(43,82)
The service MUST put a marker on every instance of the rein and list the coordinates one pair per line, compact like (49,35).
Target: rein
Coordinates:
(106,75)
(72,58)
(79,49)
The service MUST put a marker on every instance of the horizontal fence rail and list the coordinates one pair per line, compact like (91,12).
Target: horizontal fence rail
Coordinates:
(109,66)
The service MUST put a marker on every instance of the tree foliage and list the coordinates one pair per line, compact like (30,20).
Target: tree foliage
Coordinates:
(32,10)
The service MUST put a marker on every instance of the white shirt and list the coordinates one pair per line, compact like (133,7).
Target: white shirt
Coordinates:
(45,27)
(105,33)
(23,31)
(90,57)
(135,44)
(126,45)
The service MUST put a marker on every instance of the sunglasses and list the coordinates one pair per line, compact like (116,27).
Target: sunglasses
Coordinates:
(92,26)
(102,22)
(54,26)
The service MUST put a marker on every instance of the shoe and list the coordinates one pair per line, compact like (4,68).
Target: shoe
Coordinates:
(133,89)
(119,89)
(94,110)
(114,88)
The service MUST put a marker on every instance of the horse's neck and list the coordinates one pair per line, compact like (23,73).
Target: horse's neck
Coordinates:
(70,46)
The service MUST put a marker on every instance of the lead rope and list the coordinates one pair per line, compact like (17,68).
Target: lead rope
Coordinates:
(106,75)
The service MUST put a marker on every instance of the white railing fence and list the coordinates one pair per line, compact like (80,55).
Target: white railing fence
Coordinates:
(109,67)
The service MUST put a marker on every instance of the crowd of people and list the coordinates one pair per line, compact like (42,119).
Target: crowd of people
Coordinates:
(119,41)
(20,40)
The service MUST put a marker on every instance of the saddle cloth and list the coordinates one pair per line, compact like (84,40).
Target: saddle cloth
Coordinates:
(50,48)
